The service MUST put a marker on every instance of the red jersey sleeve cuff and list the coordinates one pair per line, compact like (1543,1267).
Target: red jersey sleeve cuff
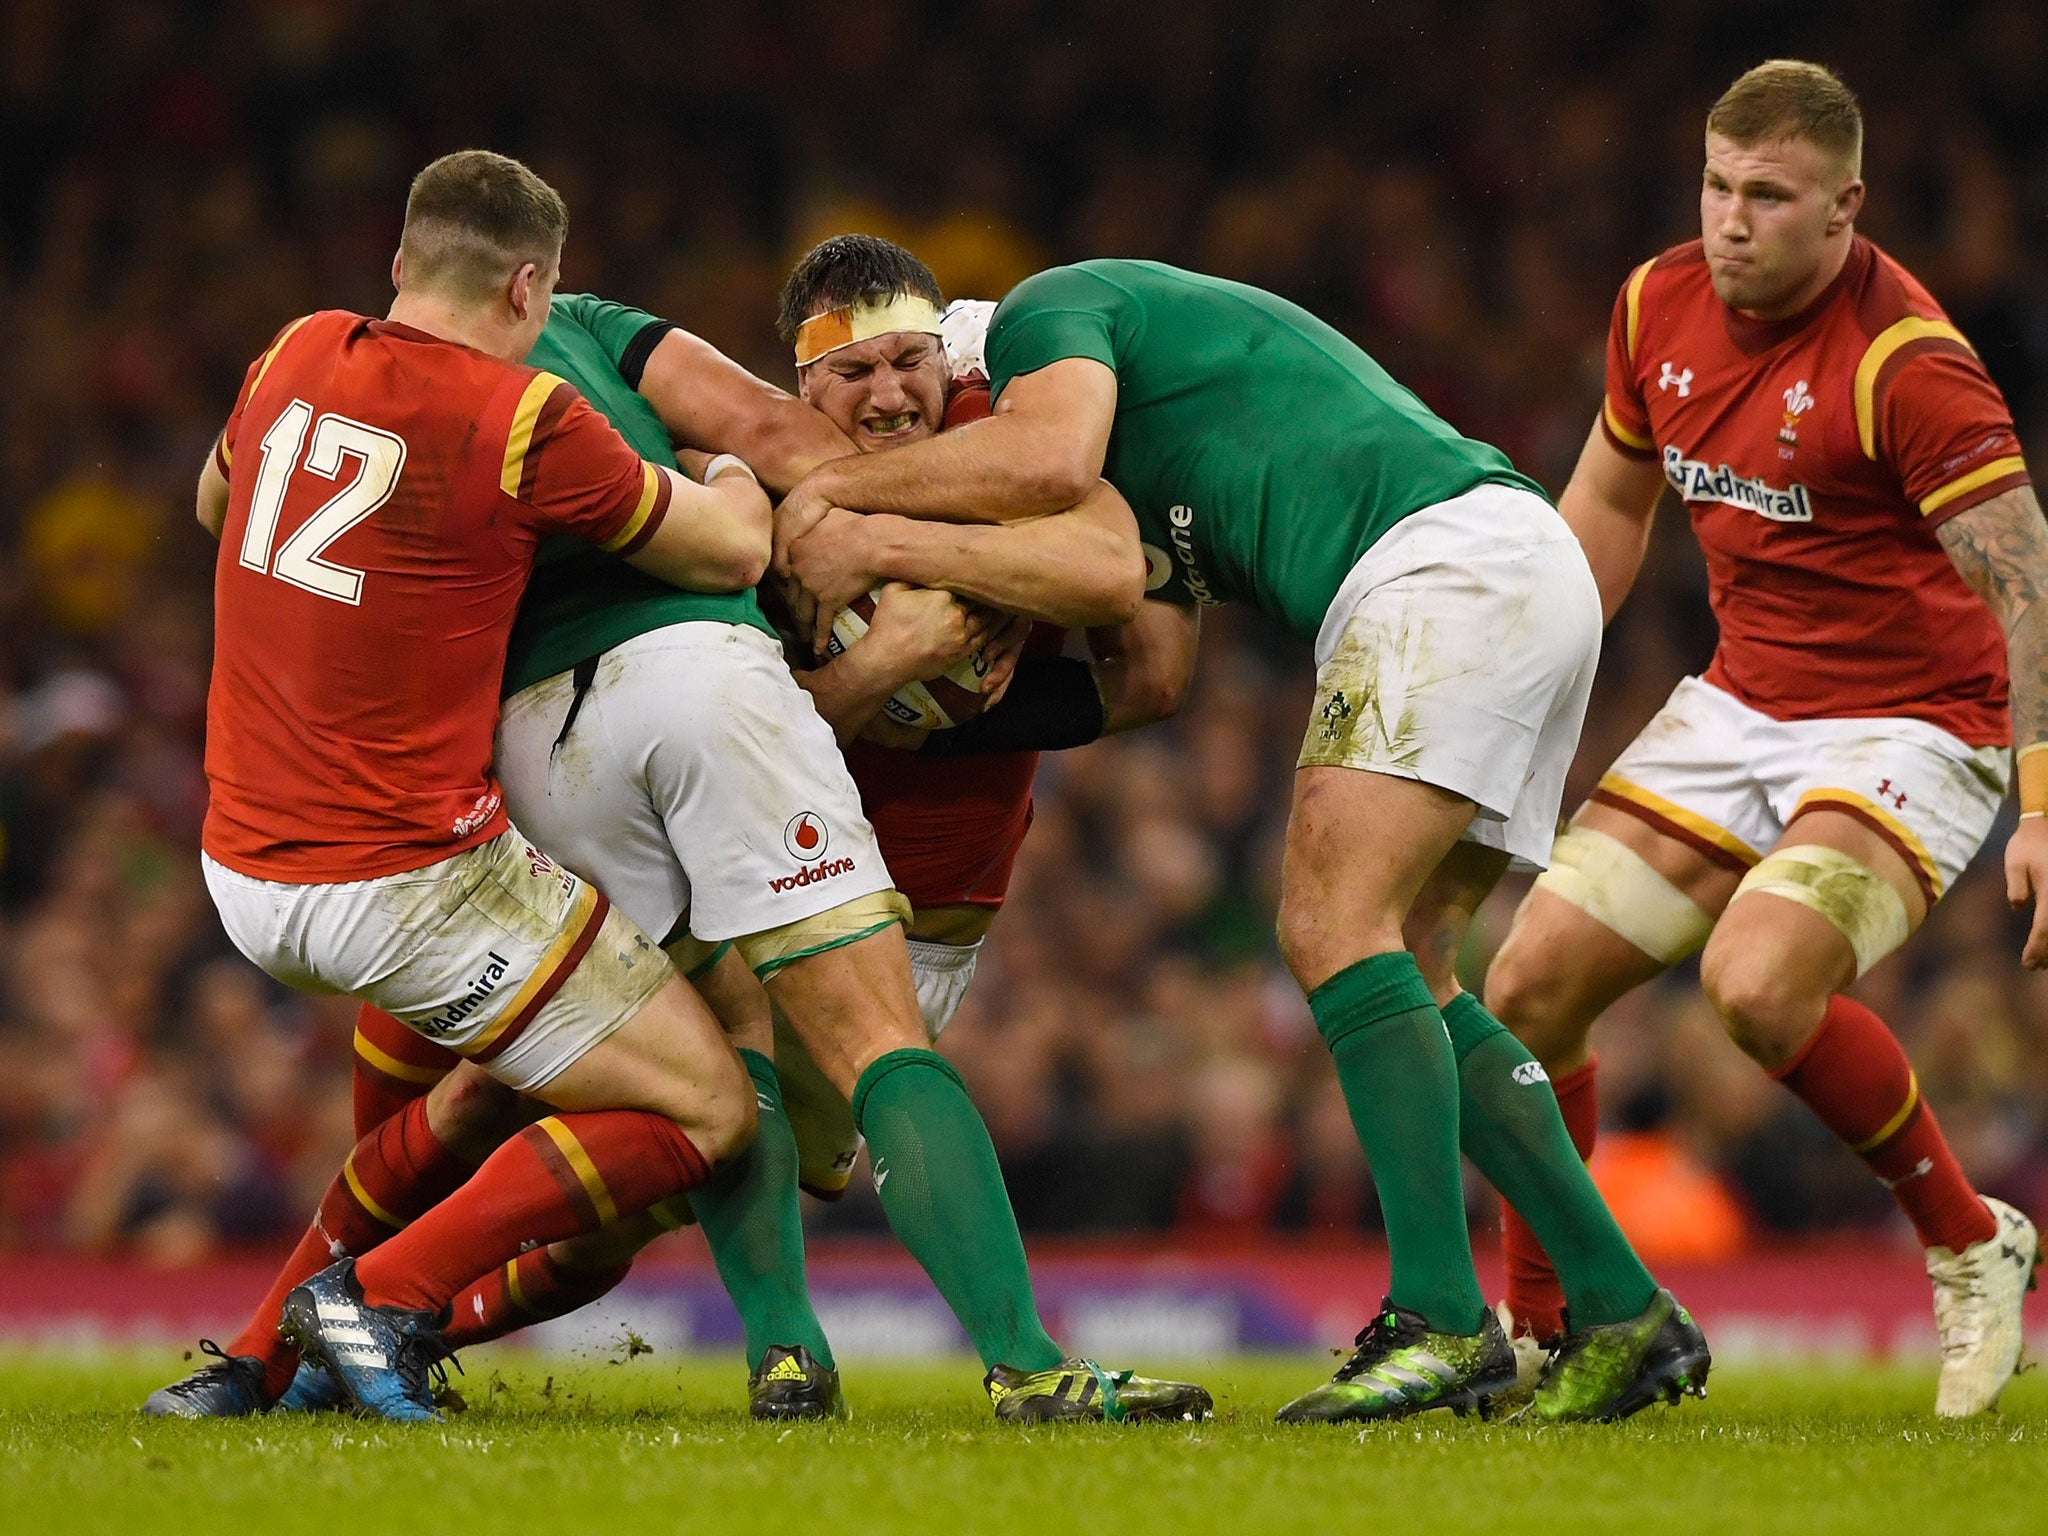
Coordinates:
(1633,444)
(220,455)
(1974,489)
(656,488)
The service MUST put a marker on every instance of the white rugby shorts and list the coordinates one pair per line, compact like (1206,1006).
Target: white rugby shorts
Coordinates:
(697,782)
(1728,779)
(1460,652)
(498,952)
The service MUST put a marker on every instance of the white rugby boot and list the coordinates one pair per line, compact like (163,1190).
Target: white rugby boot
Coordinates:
(1978,1295)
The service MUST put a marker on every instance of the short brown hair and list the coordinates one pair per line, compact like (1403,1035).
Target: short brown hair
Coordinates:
(473,219)
(1792,99)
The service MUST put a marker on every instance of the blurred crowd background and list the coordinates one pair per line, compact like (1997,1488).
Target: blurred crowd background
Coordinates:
(1461,187)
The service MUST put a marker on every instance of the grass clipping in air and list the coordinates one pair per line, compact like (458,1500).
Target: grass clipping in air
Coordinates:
(653,1445)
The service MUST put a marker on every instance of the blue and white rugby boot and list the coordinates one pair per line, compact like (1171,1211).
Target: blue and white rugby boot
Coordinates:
(383,1356)
(230,1388)
(314,1389)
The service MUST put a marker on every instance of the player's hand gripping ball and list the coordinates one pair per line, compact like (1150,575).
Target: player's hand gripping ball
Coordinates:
(953,697)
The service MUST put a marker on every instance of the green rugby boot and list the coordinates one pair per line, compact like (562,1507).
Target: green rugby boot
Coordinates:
(792,1385)
(1081,1389)
(1603,1374)
(1404,1366)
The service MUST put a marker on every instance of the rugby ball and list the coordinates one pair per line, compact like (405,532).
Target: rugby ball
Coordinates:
(935,704)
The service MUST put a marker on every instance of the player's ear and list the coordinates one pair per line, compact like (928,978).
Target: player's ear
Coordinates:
(803,385)
(398,269)
(1848,203)
(520,292)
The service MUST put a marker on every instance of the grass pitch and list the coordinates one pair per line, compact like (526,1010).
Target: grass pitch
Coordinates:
(650,1445)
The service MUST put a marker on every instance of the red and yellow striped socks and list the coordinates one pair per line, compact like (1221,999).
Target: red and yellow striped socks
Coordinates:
(561,1176)
(397,1171)
(1852,1073)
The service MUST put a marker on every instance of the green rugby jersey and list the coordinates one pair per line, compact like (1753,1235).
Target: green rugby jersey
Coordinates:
(1262,452)
(581,601)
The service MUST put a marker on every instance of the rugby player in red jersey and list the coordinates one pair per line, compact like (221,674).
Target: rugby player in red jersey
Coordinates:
(380,490)
(1853,477)
(889,363)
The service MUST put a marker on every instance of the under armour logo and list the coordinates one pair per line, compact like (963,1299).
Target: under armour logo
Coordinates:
(1896,796)
(1672,376)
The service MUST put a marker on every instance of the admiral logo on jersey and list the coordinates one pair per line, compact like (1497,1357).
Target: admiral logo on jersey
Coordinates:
(1698,481)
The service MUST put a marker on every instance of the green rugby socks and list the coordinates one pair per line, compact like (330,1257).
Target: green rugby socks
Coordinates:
(750,1215)
(942,1190)
(1400,1083)
(1512,1130)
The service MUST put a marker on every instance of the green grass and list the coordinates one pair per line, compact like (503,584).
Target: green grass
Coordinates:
(582,1446)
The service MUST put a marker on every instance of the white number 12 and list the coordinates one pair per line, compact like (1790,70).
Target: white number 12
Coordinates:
(381,456)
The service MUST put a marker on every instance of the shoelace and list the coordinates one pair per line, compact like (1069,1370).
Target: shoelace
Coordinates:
(1375,1341)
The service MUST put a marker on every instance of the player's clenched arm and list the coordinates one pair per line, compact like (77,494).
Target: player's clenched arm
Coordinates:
(2001,548)
(1609,503)
(1144,667)
(1075,568)
(715,537)
(915,634)
(709,402)
(578,476)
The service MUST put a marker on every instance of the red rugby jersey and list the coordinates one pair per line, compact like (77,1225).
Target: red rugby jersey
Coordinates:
(387,490)
(950,827)
(1816,456)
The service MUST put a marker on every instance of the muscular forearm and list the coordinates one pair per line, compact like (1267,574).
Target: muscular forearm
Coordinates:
(1070,568)
(992,471)
(848,693)
(710,403)
(2026,650)
(1614,542)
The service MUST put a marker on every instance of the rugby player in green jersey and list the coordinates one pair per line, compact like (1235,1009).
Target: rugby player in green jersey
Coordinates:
(1456,626)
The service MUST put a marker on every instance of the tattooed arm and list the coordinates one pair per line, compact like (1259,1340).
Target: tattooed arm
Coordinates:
(2001,548)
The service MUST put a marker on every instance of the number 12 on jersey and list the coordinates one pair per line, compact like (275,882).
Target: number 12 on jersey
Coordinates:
(379,455)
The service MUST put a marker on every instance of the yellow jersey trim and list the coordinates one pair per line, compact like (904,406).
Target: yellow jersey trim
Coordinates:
(650,492)
(227,452)
(520,438)
(1900,333)
(1614,425)
(1635,303)
(1997,469)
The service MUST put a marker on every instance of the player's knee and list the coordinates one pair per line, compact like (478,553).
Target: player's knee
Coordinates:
(1533,994)
(1316,947)
(730,1115)
(470,1113)
(1765,1005)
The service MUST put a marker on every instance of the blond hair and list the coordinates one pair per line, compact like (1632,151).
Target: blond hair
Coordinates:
(1792,99)
(473,219)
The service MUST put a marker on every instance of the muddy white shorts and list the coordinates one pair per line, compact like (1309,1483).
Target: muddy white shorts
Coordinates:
(498,953)
(943,973)
(1460,652)
(1711,772)
(696,781)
